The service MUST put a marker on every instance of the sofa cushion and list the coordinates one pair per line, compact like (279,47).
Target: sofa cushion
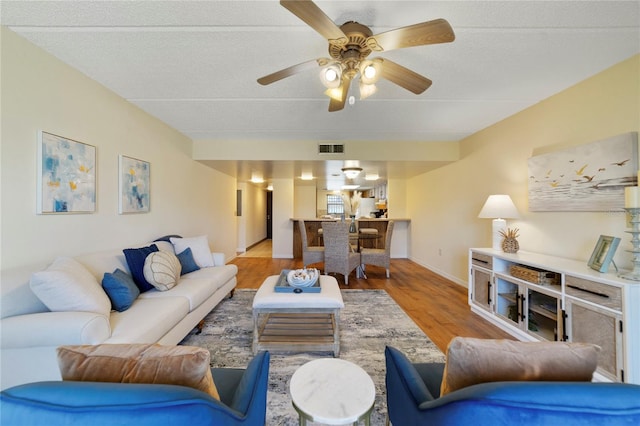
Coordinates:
(121,289)
(218,274)
(149,319)
(471,361)
(199,248)
(138,363)
(194,291)
(135,259)
(66,285)
(187,262)
(162,270)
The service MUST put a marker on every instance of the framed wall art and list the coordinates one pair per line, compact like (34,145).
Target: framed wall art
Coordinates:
(603,253)
(66,181)
(135,178)
(589,177)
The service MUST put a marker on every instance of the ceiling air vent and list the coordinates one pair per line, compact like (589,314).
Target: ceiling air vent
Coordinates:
(331,148)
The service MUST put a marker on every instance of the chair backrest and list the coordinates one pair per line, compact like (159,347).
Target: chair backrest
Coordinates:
(387,238)
(336,238)
(303,234)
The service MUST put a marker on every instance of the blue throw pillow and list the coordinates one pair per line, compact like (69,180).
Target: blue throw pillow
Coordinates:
(187,261)
(135,259)
(121,289)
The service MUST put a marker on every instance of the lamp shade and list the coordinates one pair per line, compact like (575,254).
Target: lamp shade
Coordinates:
(499,206)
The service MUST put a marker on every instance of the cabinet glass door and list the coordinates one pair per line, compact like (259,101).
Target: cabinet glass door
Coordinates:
(543,319)
(507,301)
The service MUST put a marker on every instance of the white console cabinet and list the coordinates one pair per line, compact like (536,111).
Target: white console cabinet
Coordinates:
(536,297)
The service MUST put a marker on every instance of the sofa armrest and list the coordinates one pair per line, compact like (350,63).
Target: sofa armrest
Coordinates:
(54,329)
(218,259)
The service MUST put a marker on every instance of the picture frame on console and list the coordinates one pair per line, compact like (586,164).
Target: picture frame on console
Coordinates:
(603,253)
(134,185)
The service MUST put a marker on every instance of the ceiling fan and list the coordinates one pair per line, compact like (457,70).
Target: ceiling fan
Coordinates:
(349,47)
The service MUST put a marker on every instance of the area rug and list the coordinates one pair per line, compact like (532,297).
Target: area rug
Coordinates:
(370,320)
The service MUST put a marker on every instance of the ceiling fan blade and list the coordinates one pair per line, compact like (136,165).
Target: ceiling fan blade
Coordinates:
(404,77)
(338,104)
(316,19)
(287,72)
(431,32)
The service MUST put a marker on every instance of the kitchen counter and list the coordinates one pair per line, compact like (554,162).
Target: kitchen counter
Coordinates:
(400,231)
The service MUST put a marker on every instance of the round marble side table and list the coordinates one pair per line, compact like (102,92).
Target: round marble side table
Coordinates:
(332,391)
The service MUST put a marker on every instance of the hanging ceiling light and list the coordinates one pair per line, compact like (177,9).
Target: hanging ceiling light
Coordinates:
(331,75)
(351,172)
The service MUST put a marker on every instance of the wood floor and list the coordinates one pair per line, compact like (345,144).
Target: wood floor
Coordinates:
(437,305)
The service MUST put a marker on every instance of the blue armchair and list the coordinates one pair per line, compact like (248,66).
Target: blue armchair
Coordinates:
(243,400)
(413,398)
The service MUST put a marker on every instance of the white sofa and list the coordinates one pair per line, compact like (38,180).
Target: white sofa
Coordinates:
(30,332)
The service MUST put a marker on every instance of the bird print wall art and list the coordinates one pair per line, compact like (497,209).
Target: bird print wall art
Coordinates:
(589,177)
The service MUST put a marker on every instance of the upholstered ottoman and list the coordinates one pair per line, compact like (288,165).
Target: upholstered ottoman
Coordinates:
(297,322)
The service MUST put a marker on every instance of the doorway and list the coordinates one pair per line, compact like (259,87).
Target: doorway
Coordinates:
(269,215)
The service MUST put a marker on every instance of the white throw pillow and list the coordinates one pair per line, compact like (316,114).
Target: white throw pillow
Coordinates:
(162,270)
(199,248)
(66,285)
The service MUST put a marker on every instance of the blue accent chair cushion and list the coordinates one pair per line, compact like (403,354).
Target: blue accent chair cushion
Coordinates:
(135,260)
(504,403)
(187,261)
(129,404)
(121,289)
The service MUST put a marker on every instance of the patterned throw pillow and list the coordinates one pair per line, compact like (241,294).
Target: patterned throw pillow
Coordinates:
(162,270)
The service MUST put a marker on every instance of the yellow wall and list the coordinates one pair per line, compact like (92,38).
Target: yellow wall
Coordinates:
(39,92)
(444,204)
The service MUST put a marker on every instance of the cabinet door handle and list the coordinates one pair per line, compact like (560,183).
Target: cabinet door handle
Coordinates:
(565,337)
(522,316)
(489,292)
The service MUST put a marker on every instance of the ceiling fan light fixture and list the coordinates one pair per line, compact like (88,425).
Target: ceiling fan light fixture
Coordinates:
(370,71)
(367,90)
(351,172)
(331,76)
(335,94)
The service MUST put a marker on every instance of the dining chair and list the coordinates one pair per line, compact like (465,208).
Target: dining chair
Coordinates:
(376,256)
(310,254)
(338,255)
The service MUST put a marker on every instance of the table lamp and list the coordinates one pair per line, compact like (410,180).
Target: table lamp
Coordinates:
(498,207)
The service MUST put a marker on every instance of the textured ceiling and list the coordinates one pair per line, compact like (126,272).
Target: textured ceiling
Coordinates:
(194,64)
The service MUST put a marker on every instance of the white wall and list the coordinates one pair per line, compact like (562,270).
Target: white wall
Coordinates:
(444,204)
(304,197)
(282,241)
(41,93)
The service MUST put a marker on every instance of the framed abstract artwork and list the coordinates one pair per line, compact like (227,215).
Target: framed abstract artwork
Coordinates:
(589,177)
(66,181)
(135,178)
